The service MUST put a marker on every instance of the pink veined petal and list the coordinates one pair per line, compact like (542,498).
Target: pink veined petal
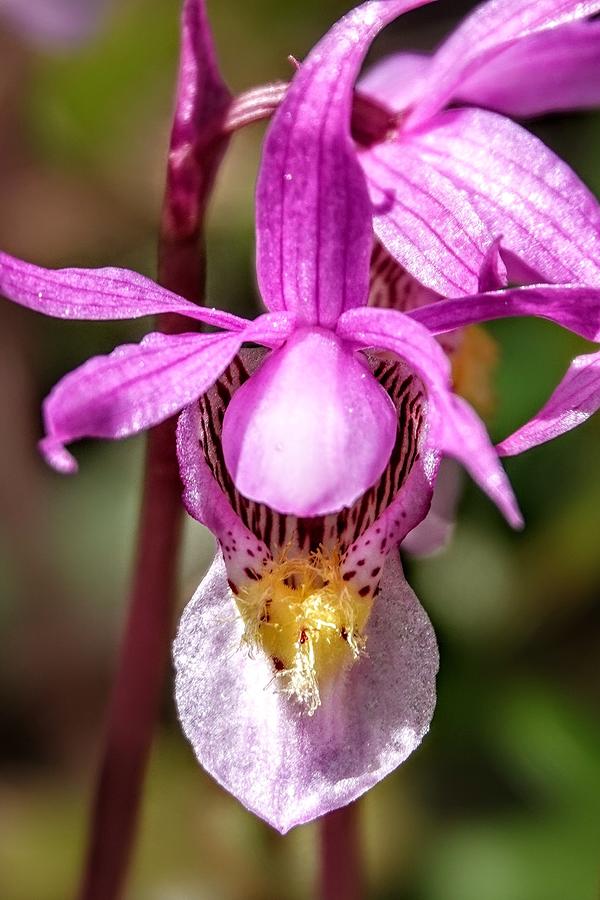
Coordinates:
(434,532)
(397,80)
(576,398)
(55,23)
(521,190)
(284,766)
(314,234)
(490,29)
(572,306)
(549,71)
(136,386)
(202,98)
(454,428)
(98,294)
(434,233)
(311,430)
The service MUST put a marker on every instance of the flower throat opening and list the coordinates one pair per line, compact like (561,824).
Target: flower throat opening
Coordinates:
(308,619)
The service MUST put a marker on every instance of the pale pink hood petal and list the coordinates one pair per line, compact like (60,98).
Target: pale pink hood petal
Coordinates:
(311,430)
(492,28)
(454,428)
(576,398)
(283,765)
(521,190)
(98,294)
(314,235)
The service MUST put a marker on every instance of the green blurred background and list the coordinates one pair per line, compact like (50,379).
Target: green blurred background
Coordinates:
(502,802)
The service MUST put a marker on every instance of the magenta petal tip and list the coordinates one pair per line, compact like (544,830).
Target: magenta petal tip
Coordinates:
(57,456)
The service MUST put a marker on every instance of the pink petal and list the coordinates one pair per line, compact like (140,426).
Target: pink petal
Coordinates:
(576,398)
(454,428)
(422,221)
(392,287)
(283,765)
(311,430)
(493,27)
(136,386)
(314,233)
(139,385)
(201,101)
(521,190)
(573,306)
(546,72)
(98,294)
(396,80)
(433,533)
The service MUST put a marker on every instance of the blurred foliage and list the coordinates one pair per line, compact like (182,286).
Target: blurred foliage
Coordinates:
(502,802)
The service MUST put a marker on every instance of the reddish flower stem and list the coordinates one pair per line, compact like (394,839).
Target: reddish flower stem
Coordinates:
(144,655)
(341,859)
(140,676)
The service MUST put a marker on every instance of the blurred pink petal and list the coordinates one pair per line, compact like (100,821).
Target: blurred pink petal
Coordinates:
(492,28)
(434,532)
(55,23)
(396,80)
(547,72)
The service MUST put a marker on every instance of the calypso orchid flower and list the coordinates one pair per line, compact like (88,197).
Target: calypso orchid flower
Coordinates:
(305,664)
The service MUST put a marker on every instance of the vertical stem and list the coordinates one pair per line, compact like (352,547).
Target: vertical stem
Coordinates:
(142,667)
(144,655)
(341,858)
(195,153)
(140,677)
